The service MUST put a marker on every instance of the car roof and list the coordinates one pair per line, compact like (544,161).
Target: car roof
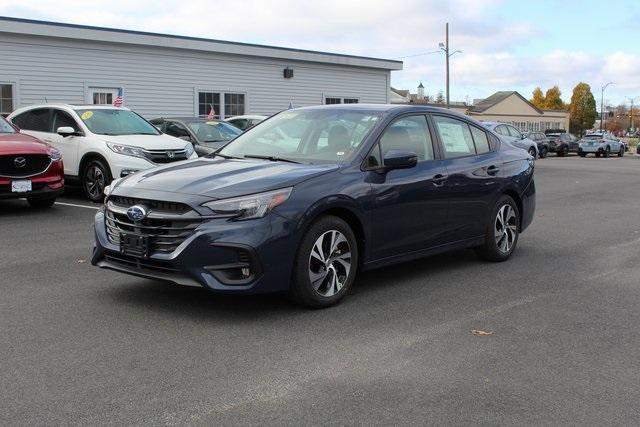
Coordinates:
(188,119)
(67,106)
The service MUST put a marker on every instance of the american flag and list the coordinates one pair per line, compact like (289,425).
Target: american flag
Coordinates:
(212,114)
(119,99)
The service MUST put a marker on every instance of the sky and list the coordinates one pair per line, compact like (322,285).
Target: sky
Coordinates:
(506,45)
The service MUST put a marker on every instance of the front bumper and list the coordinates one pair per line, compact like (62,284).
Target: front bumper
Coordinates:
(122,165)
(212,256)
(48,185)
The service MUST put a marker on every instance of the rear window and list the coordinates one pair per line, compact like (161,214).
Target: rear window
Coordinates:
(593,136)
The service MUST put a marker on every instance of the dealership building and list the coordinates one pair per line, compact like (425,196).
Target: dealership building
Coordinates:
(168,75)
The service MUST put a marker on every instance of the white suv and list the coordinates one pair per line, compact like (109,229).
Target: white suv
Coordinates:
(99,142)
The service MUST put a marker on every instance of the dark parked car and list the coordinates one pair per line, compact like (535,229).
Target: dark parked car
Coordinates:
(562,143)
(29,168)
(205,135)
(541,141)
(361,186)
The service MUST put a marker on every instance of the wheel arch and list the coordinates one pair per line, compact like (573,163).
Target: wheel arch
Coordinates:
(88,157)
(516,198)
(344,208)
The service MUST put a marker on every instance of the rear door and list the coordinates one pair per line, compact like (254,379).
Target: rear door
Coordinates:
(410,205)
(473,166)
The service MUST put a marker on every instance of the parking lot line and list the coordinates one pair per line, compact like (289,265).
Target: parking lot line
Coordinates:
(77,206)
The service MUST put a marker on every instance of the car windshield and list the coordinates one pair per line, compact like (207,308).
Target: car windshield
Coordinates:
(5,127)
(112,121)
(306,136)
(213,131)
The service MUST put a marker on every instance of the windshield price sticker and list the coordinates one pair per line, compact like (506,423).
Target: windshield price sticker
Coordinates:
(86,115)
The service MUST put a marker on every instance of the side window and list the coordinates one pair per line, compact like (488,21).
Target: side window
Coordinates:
(501,130)
(158,123)
(374,159)
(176,129)
(455,136)
(514,132)
(241,124)
(408,134)
(480,139)
(62,119)
(37,120)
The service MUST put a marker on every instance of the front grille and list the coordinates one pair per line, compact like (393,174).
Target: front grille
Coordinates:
(166,226)
(140,264)
(165,156)
(22,166)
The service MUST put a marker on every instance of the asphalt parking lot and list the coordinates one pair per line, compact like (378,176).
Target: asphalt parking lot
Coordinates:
(80,345)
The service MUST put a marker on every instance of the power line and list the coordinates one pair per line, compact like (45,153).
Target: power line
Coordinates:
(417,54)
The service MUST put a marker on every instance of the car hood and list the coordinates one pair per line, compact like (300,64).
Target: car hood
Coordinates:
(150,142)
(219,178)
(19,143)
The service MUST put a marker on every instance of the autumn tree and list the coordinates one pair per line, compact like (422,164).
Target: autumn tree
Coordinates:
(440,98)
(552,100)
(538,98)
(582,110)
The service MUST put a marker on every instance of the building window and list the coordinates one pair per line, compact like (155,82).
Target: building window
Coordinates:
(336,100)
(207,101)
(233,104)
(102,98)
(6,99)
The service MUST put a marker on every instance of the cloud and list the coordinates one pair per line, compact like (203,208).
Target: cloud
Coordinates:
(495,51)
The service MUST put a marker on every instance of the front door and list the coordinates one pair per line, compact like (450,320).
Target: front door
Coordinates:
(409,212)
(67,145)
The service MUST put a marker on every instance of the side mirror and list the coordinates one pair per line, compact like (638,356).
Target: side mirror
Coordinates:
(398,159)
(15,127)
(65,131)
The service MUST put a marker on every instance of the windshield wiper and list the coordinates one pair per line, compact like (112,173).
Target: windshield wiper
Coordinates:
(224,156)
(270,158)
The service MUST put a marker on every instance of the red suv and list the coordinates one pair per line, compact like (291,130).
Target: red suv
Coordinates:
(29,168)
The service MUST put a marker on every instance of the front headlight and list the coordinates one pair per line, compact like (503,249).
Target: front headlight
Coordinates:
(109,188)
(188,150)
(54,155)
(250,207)
(127,150)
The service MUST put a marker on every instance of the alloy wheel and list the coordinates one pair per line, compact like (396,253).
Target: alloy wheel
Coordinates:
(95,181)
(506,228)
(329,263)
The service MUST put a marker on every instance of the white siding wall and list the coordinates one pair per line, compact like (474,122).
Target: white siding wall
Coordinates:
(163,81)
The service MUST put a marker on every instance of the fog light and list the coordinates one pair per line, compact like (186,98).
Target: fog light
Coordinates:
(246,272)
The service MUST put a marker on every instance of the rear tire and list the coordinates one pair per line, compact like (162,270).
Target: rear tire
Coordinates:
(582,154)
(95,177)
(41,203)
(325,265)
(502,231)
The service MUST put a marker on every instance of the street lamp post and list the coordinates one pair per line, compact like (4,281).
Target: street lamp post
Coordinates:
(445,48)
(602,103)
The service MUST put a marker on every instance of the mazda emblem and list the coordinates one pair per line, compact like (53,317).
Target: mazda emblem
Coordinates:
(137,213)
(20,162)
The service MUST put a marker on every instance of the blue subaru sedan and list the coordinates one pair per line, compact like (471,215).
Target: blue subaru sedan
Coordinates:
(310,197)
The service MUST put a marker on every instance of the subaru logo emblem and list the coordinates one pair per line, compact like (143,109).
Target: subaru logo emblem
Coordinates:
(19,162)
(137,213)
(171,154)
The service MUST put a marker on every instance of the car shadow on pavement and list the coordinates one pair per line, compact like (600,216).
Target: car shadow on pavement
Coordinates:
(202,304)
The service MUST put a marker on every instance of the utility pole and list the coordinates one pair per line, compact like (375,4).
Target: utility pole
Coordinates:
(445,48)
(602,103)
(631,111)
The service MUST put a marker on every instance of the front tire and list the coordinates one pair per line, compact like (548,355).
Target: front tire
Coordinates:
(543,153)
(532,152)
(41,203)
(607,152)
(621,152)
(325,265)
(95,177)
(502,232)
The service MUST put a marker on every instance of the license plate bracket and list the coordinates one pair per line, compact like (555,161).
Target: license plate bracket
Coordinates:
(134,244)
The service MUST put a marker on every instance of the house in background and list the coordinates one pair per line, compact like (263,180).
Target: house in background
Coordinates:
(511,107)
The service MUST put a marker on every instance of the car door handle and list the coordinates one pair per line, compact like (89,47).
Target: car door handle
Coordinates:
(47,139)
(492,170)
(439,179)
